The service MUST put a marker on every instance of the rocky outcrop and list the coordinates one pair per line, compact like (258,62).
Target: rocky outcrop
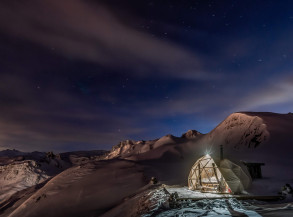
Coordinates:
(124,147)
(191,134)
(129,148)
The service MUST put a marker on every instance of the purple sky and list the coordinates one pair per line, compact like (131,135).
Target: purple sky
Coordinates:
(77,75)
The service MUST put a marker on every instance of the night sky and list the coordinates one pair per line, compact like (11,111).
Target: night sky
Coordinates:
(81,74)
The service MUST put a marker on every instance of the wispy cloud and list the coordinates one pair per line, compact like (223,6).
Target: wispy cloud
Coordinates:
(91,32)
(272,93)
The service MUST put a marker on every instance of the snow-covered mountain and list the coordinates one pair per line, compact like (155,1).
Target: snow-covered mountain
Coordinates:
(95,185)
(20,175)
(254,136)
(130,148)
(240,130)
(24,170)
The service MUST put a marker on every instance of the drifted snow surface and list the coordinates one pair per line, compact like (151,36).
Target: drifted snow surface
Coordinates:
(184,192)
(217,207)
(212,207)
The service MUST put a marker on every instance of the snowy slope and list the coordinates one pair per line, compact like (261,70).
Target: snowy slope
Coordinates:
(86,190)
(81,157)
(110,185)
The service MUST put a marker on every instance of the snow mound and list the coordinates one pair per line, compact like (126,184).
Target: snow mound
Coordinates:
(155,200)
(168,139)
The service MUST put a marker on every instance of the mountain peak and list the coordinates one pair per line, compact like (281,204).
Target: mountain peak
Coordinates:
(190,134)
